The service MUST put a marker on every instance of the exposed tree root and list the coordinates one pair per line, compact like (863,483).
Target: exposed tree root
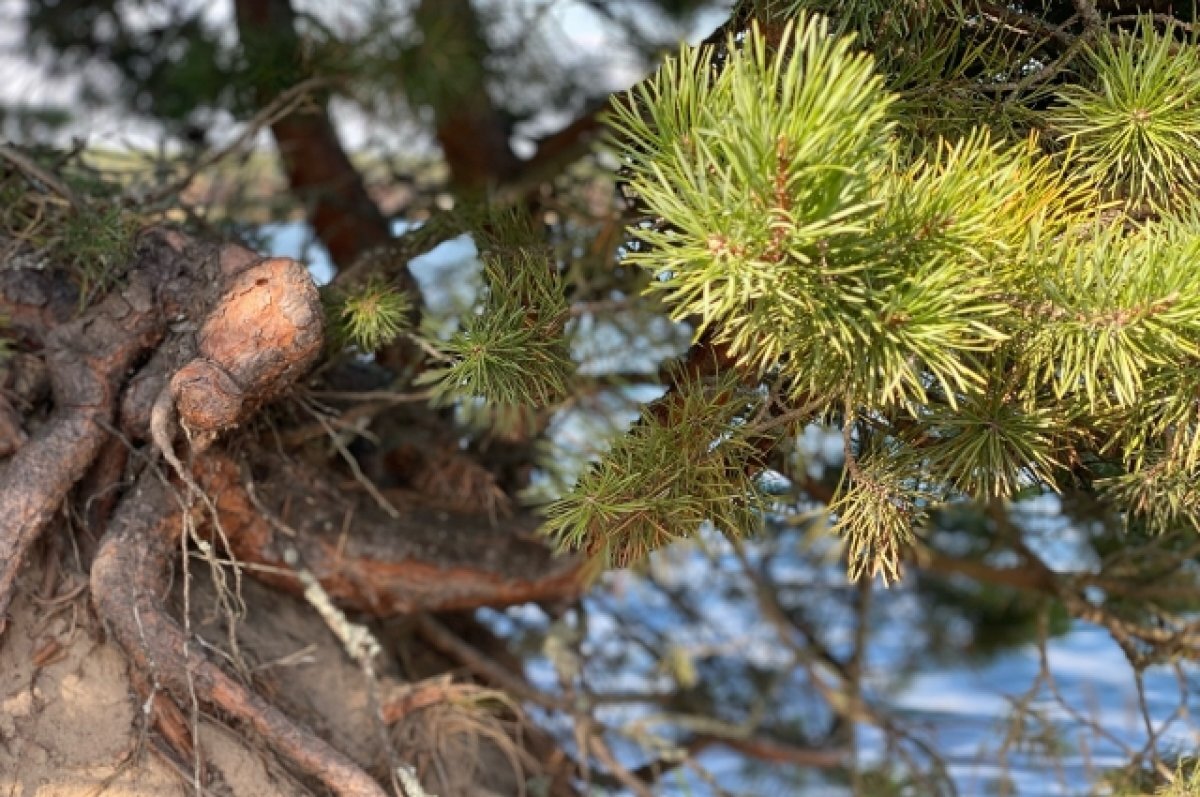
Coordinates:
(198,339)
(130,582)
(426,560)
(262,335)
(88,360)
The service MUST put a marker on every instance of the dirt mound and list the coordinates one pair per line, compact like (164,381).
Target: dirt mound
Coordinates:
(72,723)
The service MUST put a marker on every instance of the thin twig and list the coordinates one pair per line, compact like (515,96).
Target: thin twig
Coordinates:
(283,105)
(361,477)
(1025,23)
(36,173)
(599,748)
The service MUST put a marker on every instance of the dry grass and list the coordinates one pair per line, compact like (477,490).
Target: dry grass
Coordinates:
(454,732)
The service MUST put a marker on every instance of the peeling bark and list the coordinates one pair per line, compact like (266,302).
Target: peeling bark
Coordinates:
(265,331)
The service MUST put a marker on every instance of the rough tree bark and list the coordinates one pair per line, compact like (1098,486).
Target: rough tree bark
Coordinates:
(149,386)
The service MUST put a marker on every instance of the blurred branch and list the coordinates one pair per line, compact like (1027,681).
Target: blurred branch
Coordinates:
(1087,11)
(760,747)
(563,147)
(282,106)
(554,153)
(37,174)
(445,640)
(472,131)
(772,752)
(843,699)
(343,215)
(1023,578)
(1143,642)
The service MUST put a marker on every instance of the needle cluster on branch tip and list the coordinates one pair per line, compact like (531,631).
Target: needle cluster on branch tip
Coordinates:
(994,308)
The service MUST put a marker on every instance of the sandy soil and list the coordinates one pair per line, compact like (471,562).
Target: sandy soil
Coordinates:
(70,721)
(71,724)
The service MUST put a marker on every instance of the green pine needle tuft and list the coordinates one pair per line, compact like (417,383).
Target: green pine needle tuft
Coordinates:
(788,226)
(373,316)
(1159,495)
(513,350)
(876,513)
(96,243)
(1108,308)
(686,462)
(1134,125)
(993,445)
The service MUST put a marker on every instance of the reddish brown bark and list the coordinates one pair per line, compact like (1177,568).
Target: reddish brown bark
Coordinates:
(343,215)
(472,131)
(261,329)
(265,332)
(88,360)
(345,218)
(425,560)
(206,336)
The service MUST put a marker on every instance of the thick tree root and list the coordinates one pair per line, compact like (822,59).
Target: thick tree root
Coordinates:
(199,339)
(425,560)
(130,583)
(262,329)
(88,360)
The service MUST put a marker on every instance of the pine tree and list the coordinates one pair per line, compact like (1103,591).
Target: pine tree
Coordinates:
(957,239)
(983,310)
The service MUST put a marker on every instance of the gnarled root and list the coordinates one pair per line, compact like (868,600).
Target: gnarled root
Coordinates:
(88,359)
(130,582)
(367,561)
(202,339)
